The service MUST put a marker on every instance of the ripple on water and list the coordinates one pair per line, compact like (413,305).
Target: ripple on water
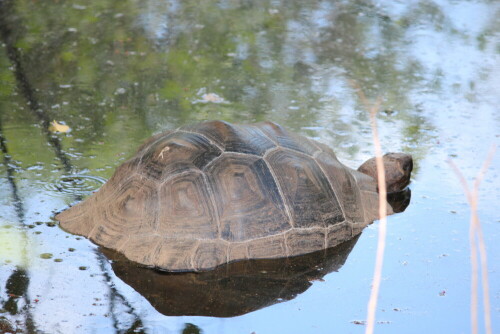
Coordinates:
(76,184)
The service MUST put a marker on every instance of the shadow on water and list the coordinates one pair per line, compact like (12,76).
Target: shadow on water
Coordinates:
(233,289)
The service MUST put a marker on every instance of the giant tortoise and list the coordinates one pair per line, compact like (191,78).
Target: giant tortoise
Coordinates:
(213,193)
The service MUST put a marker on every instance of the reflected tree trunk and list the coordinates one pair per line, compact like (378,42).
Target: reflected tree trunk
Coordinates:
(18,283)
(23,83)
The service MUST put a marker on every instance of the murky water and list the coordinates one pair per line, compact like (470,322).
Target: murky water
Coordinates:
(117,72)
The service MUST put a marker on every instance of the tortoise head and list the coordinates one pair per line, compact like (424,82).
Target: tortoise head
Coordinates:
(398,167)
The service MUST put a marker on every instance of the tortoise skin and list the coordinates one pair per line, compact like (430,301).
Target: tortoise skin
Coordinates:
(214,193)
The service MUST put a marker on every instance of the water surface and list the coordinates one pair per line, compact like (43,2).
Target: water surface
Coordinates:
(118,72)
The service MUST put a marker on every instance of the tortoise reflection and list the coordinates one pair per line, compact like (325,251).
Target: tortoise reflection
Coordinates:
(233,289)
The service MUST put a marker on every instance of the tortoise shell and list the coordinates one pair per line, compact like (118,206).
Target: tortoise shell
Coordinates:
(213,193)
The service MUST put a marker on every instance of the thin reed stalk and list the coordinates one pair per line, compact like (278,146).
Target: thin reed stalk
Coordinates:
(382,189)
(476,241)
(382,229)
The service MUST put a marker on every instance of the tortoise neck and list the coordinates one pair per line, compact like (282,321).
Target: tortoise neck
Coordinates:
(369,196)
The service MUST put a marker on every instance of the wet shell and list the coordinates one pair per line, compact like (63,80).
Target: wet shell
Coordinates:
(215,192)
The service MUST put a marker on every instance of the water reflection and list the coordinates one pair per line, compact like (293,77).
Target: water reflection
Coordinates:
(400,200)
(291,63)
(230,290)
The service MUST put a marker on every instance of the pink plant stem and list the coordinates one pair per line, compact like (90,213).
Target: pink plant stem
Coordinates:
(382,230)
(475,232)
(481,243)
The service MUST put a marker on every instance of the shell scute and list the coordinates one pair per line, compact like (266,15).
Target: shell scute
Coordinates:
(209,254)
(132,209)
(247,198)
(287,139)
(175,153)
(271,247)
(306,189)
(234,138)
(141,248)
(185,207)
(339,233)
(344,185)
(300,241)
(175,254)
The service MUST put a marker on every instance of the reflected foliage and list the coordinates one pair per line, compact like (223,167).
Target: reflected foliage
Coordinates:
(116,72)
(136,327)
(191,329)
(16,288)
(6,326)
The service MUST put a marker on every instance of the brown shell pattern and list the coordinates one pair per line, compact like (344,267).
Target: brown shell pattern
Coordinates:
(215,192)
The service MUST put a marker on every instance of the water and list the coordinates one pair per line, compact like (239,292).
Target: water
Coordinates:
(116,73)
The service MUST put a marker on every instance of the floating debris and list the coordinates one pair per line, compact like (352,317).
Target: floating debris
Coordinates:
(209,97)
(58,127)
(120,91)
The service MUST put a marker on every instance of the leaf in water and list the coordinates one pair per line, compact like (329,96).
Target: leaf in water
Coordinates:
(57,127)
(209,97)
(46,256)
(212,97)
